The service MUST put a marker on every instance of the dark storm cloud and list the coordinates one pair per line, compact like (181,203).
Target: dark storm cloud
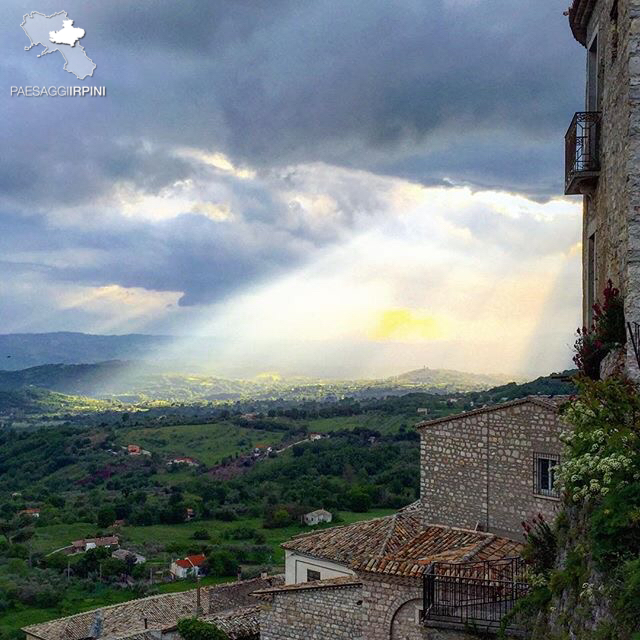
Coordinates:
(393,87)
(468,91)
(369,83)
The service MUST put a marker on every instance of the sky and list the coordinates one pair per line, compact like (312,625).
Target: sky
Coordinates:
(352,188)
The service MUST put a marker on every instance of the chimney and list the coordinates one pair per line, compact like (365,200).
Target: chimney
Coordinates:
(95,630)
(263,575)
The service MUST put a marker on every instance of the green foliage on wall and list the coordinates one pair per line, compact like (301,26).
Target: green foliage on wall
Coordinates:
(193,629)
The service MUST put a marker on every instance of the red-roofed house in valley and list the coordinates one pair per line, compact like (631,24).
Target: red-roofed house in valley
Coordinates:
(189,566)
(32,512)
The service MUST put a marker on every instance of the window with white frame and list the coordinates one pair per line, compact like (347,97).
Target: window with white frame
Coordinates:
(544,474)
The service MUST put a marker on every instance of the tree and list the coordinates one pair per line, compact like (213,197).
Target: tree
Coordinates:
(359,501)
(106,517)
(222,563)
(193,629)
(16,529)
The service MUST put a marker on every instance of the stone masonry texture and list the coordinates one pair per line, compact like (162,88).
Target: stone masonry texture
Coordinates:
(380,609)
(613,211)
(477,470)
(389,610)
(316,614)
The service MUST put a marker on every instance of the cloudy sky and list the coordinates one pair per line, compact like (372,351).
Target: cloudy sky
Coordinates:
(345,187)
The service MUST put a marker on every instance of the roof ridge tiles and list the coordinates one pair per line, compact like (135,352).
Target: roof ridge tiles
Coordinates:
(553,403)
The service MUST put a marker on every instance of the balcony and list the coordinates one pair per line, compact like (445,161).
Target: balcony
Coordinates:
(582,153)
(477,594)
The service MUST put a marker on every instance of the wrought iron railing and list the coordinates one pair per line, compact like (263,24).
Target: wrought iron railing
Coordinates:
(634,335)
(480,593)
(582,150)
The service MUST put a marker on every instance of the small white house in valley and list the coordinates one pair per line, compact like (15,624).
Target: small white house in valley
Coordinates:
(189,566)
(316,517)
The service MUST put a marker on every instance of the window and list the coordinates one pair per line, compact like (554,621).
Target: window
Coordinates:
(544,474)
(312,575)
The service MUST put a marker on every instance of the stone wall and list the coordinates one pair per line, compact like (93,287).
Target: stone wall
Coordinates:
(390,609)
(632,282)
(477,469)
(605,212)
(613,212)
(329,613)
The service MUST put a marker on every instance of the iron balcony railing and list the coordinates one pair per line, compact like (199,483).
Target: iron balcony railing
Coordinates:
(479,593)
(582,152)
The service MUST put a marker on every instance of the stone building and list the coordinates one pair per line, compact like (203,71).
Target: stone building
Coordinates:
(482,473)
(603,152)
(491,468)
(384,598)
(317,517)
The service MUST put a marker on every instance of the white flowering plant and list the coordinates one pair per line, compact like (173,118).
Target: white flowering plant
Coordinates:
(603,447)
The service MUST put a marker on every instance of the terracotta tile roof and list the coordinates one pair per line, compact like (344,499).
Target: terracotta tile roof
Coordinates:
(234,595)
(239,624)
(580,13)
(122,619)
(192,561)
(333,583)
(438,543)
(347,543)
(127,619)
(553,403)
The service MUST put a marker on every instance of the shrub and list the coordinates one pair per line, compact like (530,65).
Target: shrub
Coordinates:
(193,629)
(222,563)
(201,534)
(607,332)
(628,601)
(241,533)
(603,445)
(615,525)
(542,544)
(106,517)
(359,501)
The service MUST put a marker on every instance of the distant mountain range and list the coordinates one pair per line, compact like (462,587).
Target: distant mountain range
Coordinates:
(450,377)
(138,382)
(128,366)
(22,350)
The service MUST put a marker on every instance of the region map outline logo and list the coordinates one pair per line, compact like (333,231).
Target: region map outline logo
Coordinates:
(37,31)
(57,33)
